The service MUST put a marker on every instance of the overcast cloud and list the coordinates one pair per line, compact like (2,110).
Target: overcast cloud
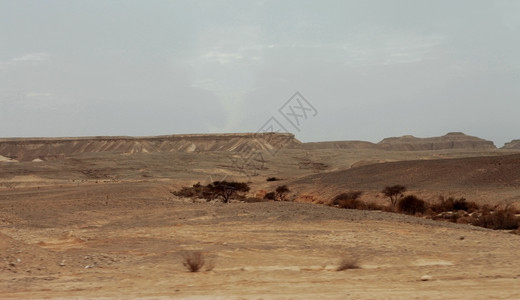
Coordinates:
(372,69)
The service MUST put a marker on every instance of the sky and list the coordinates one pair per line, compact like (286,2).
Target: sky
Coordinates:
(366,69)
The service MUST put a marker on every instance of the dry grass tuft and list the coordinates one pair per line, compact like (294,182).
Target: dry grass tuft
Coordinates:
(348,263)
(193,261)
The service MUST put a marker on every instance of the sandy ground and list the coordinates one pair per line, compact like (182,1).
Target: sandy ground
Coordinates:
(127,240)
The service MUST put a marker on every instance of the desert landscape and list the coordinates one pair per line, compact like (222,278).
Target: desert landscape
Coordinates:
(262,149)
(102,217)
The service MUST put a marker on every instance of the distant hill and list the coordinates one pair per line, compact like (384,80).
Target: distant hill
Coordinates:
(452,140)
(514,144)
(474,172)
(472,175)
(28,149)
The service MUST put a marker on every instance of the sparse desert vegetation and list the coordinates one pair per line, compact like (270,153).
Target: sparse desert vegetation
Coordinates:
(411,205)
(193,261)
(298,149)
(349,200)
(281,192)
(394,193)
(499,219)
(272,179)
(456,210)
(270,196)
(224,190)
(348,263)
(113,223)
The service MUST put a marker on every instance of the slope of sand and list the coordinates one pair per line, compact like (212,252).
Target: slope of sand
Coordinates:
(492,180)
(127,241)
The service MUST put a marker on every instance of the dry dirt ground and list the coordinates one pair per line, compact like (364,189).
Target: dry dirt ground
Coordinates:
(127,240)
(108,227)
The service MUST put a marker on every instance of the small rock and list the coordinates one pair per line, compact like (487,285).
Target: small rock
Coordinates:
(62,263)
(426,278)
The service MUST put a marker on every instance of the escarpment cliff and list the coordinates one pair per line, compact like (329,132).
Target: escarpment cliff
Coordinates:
(452,140)
(514,144)
(27,149)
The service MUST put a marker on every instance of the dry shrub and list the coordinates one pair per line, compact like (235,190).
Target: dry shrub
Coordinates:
(350,204)
(348,200)
(196,191)
(499,219)
(348,263)
(225,190)
(193,260)
(270,196)
(466,219)
(452,204)
(411,205)
(394,193)
(462,204)
(309,199)
(282,192)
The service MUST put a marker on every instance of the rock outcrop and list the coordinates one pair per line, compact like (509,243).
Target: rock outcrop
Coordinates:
(452,140)
(514,144)
(28,149)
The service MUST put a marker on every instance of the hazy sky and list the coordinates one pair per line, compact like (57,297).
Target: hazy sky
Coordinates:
(371,69)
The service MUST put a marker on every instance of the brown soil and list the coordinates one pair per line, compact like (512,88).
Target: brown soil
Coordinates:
(128,240)
(105,225)
(491,180)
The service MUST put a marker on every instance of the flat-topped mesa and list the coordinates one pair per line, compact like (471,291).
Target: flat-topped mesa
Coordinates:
(27,149)
(452,140)
(514,144)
